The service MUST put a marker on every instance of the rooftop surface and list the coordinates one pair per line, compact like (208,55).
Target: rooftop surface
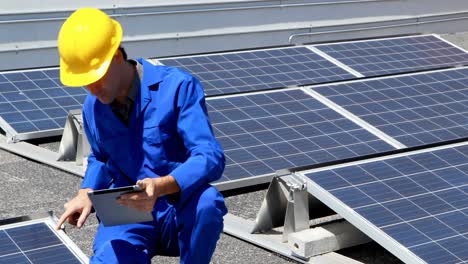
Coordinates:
(30,187)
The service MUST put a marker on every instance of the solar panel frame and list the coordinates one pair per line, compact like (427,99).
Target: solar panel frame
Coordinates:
(384,56)
(361,206)
(34,103)
(255,70)
(18,245)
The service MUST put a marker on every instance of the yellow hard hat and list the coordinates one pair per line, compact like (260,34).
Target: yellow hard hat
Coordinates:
(87,43)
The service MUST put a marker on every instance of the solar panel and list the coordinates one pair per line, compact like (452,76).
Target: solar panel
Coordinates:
(35,101)
(262,133)
(415,109)
(36,242)
(396,55)
(259,70)
(416,201)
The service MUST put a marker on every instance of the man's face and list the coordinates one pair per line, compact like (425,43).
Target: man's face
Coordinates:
(107,88)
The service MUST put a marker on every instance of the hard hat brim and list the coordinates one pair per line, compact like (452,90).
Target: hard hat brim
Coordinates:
(74,79)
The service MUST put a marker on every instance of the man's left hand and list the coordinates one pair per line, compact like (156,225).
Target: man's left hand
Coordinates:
(142,201)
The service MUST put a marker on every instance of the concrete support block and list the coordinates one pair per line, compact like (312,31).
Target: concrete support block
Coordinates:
(326,238)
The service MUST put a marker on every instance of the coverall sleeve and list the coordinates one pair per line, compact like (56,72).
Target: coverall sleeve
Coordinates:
(97,175)
(206,158)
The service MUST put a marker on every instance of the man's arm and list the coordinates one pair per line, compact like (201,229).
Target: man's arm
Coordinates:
(206,158)
(96,177)
(206,161)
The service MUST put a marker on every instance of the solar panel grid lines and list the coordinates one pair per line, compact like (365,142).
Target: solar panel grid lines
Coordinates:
(236,72)
(416,201)
(414,109)
(355,119)
(265,132)
(34,101)
(396,55)
(36,242)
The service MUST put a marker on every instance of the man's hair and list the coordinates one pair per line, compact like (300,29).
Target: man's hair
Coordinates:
(124,53)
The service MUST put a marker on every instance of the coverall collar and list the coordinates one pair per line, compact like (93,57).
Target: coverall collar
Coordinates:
(151,77)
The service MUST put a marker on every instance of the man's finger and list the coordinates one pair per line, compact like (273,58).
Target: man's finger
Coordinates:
(140,205)
(134,196)
(84,215)
(62,219)
(141,184)
(150,190)
(129,202)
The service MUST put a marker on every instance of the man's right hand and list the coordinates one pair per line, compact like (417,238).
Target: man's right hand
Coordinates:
(77,209)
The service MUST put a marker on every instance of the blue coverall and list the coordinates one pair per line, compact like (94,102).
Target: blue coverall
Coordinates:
(168,134)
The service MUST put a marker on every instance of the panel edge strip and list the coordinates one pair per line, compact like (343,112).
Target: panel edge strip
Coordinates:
(336,62)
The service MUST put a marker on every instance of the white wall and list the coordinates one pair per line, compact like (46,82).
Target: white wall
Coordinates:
(28,29)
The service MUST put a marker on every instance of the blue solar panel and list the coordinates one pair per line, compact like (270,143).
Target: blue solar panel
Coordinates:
(259,70)
(262,133)
(419,200)
(397,55)
(33,101)
(415,109)
(54,254)
(42,236)
(33,243)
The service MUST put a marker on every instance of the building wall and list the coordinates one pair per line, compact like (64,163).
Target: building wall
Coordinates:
(28,29)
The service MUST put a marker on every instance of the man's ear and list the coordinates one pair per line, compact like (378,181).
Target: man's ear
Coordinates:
(118,56)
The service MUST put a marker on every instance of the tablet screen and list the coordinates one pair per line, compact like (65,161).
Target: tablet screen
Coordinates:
(111,213)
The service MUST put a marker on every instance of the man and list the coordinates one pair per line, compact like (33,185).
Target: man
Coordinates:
(146,125)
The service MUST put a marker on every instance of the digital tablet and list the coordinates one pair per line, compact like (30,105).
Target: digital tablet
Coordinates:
(111,213)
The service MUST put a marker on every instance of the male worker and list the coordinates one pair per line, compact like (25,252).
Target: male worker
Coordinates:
(146,125)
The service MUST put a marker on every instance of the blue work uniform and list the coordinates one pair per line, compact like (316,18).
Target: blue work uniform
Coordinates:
(168,133)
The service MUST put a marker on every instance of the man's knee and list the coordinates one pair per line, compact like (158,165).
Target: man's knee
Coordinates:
(202,231)
(119,251)
(211,207)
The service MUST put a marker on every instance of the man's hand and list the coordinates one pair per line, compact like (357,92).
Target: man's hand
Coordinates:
(152,189)
(77,209)
(142,201)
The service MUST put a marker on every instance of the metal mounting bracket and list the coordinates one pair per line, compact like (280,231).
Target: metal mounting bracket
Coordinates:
(285,204)
(74,144)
